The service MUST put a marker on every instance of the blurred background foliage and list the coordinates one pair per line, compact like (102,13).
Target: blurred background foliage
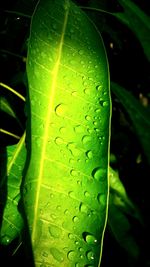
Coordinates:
(125,29)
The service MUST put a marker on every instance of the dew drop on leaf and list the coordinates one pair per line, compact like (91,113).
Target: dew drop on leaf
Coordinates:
(62,130)
(78,129)
(102,199)
(71,255)
(81,52)
(71,194)
(58,141)
(74,93)
(83,208)
(56,254)
(5,239)
(60,109)
(55,231)
(89,154)
(89,238)
(105,103)
(99,174)
(98,87)
(86,139)
(90,255)
(86,91)
(87,194)
(75,219)
(73,172)
(88,118)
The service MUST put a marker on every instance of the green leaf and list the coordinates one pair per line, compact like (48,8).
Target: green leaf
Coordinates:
(66,186)
(120,206)
(120,196)
(138,22)
(12,222)
(139,115)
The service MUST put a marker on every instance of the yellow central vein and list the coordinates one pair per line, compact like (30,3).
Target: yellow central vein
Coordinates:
(49,112)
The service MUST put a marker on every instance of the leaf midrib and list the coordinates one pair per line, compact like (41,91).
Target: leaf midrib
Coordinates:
(47,122)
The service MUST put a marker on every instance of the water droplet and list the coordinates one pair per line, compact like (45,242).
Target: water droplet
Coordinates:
(55,231)
(105,104)
(83,208)
(71,194)
(89,238)
(88,118)
(74,93)
(79,182)
(58,140)
(80,249)
(73,172)
(89,154)
(66,212)
(53,216)
(102,199)
(81,52)
(75,219)
(99,173)
(5,239)
(60,109)
(78,129)
(95,123)
(58,207)
(51,195)
(56,254)
(74,151)
(98,87)
(87,194)
(62,130)
(86,91)
(90,255)
(71,255)
(77,264)
(71,236)
(86,139)
(97,110)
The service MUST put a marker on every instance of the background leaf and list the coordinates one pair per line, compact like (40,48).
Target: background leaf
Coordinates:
(66,187)
(12,222)
(139,115)
(138,21)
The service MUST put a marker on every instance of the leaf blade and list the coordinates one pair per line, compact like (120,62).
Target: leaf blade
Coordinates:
(62,73)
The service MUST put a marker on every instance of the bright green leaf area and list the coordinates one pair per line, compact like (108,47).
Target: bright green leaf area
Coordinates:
(66,186)
(12,222)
